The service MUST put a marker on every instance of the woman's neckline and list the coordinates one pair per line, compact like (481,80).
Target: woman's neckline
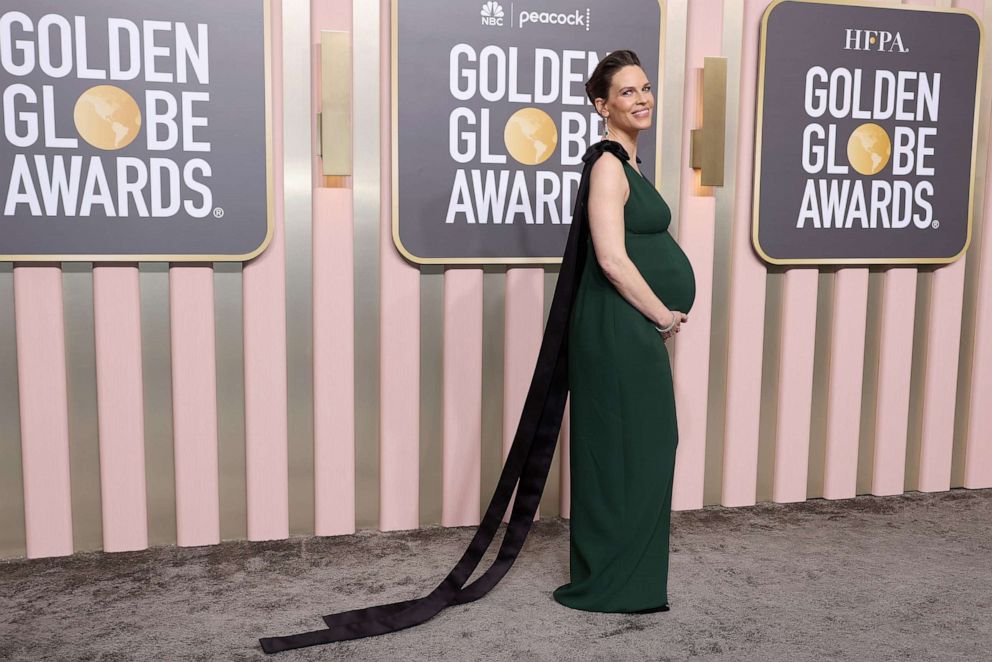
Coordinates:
(627,163)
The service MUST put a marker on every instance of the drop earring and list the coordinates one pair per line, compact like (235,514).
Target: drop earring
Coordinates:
(606,129)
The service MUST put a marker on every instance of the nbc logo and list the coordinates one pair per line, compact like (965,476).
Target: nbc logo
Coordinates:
(492,13)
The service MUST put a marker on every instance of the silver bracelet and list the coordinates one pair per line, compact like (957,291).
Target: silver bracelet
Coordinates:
(670,326)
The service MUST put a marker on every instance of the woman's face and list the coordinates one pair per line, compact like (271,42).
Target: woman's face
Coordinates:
(630,103)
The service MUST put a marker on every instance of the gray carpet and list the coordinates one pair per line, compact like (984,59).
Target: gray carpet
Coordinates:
(893,578)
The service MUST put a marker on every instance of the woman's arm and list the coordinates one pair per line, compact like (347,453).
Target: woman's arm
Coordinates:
(608,191)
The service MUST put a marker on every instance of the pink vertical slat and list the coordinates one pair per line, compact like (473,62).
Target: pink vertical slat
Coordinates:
(847,349)
(940,395)
(399,422)
(977,448)
(978,443)
(565,476)
(264,292)
(41,380)
(747,295)
(795,385)
(120,406)
(334,361)
(690,351)
(895,356)
(943,346)
(333,261)
(462,431)
(194,404)
(524,324)
(696,228)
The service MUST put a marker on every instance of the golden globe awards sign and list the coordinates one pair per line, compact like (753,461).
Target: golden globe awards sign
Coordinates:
(866,131)
(491,119)
(133,130)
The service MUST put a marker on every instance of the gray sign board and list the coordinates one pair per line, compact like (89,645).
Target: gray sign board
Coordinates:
(866,133)
(491,120)
(134,130)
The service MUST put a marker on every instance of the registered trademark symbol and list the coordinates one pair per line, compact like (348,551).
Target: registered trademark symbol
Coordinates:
(218,212)
(935,224)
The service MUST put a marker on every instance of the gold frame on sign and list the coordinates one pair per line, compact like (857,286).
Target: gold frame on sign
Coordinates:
(757,144)
(394,154)
(200,257)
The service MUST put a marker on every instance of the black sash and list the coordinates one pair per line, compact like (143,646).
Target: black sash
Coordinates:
(528,462)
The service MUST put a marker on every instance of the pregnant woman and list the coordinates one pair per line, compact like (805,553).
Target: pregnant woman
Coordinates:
(636,284)
(624,287)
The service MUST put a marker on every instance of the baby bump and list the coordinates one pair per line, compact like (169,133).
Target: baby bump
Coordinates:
(665,267)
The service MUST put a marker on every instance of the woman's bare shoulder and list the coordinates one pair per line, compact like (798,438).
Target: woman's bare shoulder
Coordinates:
(607,175)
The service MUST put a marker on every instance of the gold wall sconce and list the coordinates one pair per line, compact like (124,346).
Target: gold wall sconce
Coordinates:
(706,145)
(334,118)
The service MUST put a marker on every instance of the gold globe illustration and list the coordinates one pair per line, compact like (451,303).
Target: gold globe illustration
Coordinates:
(530,136)
(869,148)
(107,117)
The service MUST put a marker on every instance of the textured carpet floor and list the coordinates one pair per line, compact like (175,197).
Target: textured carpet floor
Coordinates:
(867,579)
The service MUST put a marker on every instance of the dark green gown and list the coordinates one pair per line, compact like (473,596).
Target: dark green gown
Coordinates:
(623,431)
(615,364)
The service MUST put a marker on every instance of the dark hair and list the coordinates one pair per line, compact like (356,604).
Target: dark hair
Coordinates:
(598,85)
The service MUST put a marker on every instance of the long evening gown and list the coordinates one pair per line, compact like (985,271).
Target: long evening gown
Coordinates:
(623,426)
(623,436)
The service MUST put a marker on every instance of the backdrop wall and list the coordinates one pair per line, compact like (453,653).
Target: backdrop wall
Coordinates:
(329,384)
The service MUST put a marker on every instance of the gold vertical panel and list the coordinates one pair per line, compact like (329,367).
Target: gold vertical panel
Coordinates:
(550,505)
(84,434)
(770,360)
(297,156)
(493,340)
(733,37)
(366,30)
(11,482)
(431,393)
(229,359)
(156,375)
(821,382)
(869,387)
(918,377)
(335,102)
(714,121)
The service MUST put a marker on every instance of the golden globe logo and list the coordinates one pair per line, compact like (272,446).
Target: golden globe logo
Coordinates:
(530,136)
(107,117)
(869,149)
(52,173)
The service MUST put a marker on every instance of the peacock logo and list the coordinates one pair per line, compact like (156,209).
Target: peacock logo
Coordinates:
(492,13)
